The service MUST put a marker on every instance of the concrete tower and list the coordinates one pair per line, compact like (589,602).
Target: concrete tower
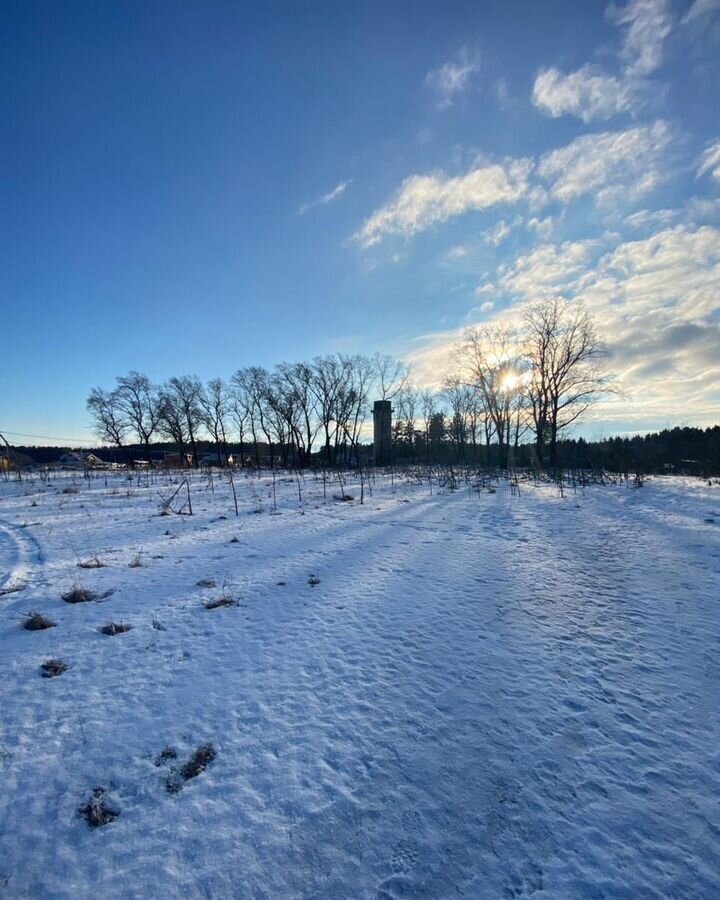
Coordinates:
(382,431)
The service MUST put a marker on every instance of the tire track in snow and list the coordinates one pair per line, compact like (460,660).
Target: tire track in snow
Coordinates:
(617,634)
(20,552)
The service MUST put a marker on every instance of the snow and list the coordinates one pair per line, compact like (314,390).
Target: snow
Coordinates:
(485,695)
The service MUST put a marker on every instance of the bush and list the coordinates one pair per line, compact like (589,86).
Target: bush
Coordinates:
(52,668)
(37,622)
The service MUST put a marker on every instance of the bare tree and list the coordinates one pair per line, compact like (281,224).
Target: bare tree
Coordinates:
(407,402)
(460,397)
(252,386)
(111,425)
(326,385)
(352,402)
(392,375)
(240,415)
(282,416)
(172,421)
(429,408)
(491,361)
(567,369)
(296,383)
(139,403)
(215,405)
(187,394)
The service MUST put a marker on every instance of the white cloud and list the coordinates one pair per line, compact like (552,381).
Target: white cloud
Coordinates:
(676,271)
(702,209)
(592,94)
(631,161)
(502,93)
(456,252)
(655,301)
(700,9)
(497,234)
(649,22)
(336,192)
(587,94)
(548,270)
(542,227)
(484,289)
(452,78)
(426,200)
(645,218)
(709,162)
(612,166)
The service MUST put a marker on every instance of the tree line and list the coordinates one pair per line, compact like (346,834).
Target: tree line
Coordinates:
(283,416)
(689,450)
(511,385)
(695,451)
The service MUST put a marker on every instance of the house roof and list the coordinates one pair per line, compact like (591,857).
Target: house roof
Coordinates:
(18,459)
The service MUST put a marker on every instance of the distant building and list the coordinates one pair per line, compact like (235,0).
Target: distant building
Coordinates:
(76,459)
(215,459)
(12,461)
(382,431)
(174,460)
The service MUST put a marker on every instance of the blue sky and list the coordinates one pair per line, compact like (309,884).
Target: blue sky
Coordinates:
(195,187)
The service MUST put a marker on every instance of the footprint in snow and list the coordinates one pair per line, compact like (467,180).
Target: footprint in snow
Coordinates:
(411,820)
(405,856)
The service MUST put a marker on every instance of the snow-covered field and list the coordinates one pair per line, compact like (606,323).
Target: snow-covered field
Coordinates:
(459,694)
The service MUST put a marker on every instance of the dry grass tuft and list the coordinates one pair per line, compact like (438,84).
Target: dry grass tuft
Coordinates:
(93,563)
(97,812)
(37,622)
(13,588)
(165,755)
(197,764)
(113,628)
(52,668)
(79,594)
(220,602)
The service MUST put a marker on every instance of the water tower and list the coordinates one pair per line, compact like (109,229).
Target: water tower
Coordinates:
(382,431)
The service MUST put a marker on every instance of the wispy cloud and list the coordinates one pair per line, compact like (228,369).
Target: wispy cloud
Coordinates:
(651,218)
(700,10)
(632,161)
(336,192)
(452,77)
(648,23)
(655,302)
(542,227)
(592,94)
(426,200)
(587,94)
(496,235)
(709,162)
(548,269)
(610,165)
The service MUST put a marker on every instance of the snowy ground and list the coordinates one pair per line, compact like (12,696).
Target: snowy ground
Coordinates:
(484,696)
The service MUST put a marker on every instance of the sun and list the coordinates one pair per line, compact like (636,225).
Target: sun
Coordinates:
(510,381)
